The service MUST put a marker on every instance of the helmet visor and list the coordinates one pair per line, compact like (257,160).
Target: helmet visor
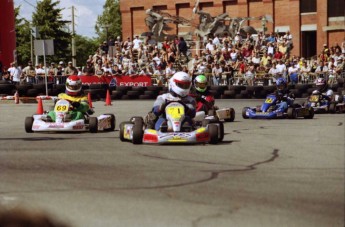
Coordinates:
(182,84)
(201,85)
(74,87)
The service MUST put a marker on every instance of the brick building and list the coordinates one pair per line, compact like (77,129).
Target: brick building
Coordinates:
(311,22)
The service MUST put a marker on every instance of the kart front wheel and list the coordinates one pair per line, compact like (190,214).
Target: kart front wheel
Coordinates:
(28,124)
(310,113)
(213,132)
(122,129)
(244,112)
(232,115)
(291,113)
(138,132)
(93,124)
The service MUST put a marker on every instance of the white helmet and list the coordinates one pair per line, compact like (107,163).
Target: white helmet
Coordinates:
(180,83)
(73,85)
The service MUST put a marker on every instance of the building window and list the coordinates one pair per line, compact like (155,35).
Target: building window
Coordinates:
(308,6)
(160,8)
(336,8)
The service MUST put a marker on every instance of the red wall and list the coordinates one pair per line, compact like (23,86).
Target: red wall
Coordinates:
(7,32)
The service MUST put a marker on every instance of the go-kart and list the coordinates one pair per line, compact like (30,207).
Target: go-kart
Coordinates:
(269,110)
(321,104)
(39,123)
(207,105)
(175,131)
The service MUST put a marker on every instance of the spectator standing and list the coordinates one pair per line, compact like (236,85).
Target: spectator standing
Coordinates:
(216,74)
(28,73)
(40,73)
(52,72)
(293,73)
(183,48)
(70,69)
(89,69)
(15,73)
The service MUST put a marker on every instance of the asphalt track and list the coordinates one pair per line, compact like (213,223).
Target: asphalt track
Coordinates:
(265,173)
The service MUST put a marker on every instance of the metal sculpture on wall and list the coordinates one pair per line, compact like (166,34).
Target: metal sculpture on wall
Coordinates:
(157,21)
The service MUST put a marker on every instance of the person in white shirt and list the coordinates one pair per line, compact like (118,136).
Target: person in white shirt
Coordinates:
(216,41)
(209,45)
(15,73)
(282,68)
(274,72)
(136,42)
(216,74)
(293,73)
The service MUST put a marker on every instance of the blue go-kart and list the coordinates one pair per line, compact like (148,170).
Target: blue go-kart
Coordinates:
(321,104)
(269,110)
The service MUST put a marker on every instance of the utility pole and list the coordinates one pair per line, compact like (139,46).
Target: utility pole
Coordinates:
(74,59)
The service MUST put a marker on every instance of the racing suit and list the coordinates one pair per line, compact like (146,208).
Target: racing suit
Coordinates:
(80,106)
(284,100)
(164,99)
(204,100)
(328,95)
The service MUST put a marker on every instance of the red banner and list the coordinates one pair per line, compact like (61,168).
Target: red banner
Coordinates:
(134,81)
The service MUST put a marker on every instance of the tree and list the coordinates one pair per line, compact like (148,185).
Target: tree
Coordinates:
(109,23)
(48,19)
(23,33)
(85,47)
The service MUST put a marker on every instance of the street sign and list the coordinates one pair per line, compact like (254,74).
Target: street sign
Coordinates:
(44,47)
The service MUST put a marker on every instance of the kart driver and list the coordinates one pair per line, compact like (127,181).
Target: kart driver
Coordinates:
(204,99)
(284,98)
(179,88)
(76,97)
(322,88)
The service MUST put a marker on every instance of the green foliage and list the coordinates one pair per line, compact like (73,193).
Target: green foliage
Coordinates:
(23,33)
(48,19)
(110,20)
(84,48)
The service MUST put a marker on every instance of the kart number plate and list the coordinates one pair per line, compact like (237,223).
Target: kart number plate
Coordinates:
(269,100)
(175,111)
(314,98)
(61,108)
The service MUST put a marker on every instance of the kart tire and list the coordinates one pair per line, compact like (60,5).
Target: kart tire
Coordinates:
(310,113)
(232,115)
(220,125)
(213,133)
(28,124)
(93,124)
(112,122)
(122,129)
(291,112)
(332,107)
(138,132)
(244,110)
(137,120)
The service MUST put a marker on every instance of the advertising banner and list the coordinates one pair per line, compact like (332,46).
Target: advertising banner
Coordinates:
(134,81)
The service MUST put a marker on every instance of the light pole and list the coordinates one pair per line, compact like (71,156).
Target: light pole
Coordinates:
(106,31)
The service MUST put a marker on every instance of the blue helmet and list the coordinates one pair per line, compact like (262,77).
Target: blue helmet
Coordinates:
(281,84)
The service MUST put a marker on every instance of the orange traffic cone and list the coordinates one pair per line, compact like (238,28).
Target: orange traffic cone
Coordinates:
(108,99)
(89,100)
(39,106)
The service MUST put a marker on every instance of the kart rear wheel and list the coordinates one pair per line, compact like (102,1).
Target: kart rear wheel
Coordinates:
(112,122)
(137,119)
(310,113)
(244,110)
(213,133)
(122,129)
(138,132)
(232,115)
(93,124)
(291,112)
(28,124)
(332,107)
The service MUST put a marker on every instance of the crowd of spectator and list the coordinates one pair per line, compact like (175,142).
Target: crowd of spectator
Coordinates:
(248,60)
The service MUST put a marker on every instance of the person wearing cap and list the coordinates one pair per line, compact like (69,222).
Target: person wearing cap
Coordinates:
(60,75)
(70,70)
(28,73)
(104,47)
(89,69)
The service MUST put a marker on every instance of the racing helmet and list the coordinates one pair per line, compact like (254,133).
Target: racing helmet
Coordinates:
(321,84)
(73,85)
(281,84)
(180,84)
(200,83)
